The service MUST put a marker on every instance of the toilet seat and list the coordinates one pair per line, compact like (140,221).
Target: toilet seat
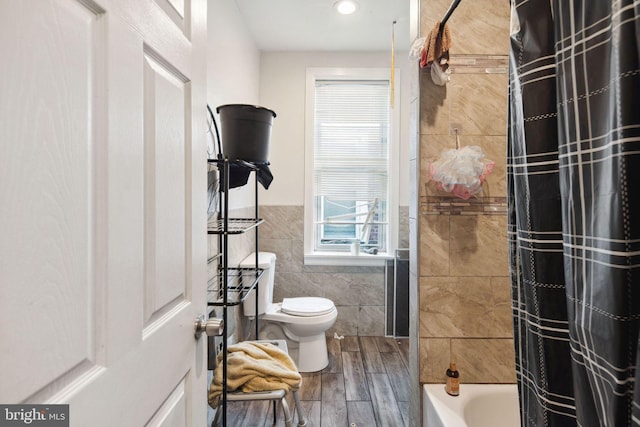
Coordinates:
(307,306)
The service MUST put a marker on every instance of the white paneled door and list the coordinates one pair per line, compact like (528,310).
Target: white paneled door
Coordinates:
(103,208)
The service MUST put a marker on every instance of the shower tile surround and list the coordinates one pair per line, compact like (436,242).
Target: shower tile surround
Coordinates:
(463,284)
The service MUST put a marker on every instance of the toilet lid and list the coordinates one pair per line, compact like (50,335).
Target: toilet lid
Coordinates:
(307,306)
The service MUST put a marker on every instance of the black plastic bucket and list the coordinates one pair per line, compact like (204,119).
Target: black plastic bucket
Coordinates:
(246,131)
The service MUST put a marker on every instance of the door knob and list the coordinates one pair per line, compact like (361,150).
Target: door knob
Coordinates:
(211,327)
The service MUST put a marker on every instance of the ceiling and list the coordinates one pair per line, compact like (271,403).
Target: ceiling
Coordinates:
(314,25)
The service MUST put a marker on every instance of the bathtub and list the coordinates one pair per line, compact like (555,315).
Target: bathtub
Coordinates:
(479,405)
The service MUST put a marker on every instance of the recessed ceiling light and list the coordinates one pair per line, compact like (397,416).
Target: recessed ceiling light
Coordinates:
(346,7)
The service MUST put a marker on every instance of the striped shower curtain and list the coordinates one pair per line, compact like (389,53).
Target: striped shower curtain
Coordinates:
(574,210)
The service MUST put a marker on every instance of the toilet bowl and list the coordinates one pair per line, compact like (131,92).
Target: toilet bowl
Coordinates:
(301,321)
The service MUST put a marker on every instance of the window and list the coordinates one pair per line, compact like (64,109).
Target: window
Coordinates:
(349,168)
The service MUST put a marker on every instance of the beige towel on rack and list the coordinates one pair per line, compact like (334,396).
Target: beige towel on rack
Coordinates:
(253,366)
(435,47)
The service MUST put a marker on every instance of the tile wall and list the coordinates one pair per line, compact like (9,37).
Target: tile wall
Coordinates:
(463,285)
(358,292)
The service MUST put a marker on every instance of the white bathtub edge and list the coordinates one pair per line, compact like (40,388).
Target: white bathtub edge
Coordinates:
(439,406)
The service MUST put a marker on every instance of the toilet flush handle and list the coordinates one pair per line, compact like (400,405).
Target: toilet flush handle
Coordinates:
(211,327)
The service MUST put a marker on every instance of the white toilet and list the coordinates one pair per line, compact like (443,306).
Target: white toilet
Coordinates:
(301,321)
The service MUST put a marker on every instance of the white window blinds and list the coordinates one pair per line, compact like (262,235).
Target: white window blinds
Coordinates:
(351,139)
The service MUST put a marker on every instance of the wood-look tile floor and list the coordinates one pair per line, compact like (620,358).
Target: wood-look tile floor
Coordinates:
(365,384)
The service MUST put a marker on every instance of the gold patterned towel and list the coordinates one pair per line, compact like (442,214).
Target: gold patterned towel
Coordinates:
(253,366)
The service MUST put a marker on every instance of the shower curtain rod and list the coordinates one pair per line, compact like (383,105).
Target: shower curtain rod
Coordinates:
(447,15)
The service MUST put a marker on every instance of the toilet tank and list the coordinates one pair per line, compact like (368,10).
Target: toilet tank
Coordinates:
(267,262)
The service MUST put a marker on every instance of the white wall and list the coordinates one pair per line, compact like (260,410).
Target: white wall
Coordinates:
(239,74)
(233,61)
(282,89)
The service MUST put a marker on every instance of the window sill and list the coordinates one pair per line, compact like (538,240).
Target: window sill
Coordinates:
(346,259)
